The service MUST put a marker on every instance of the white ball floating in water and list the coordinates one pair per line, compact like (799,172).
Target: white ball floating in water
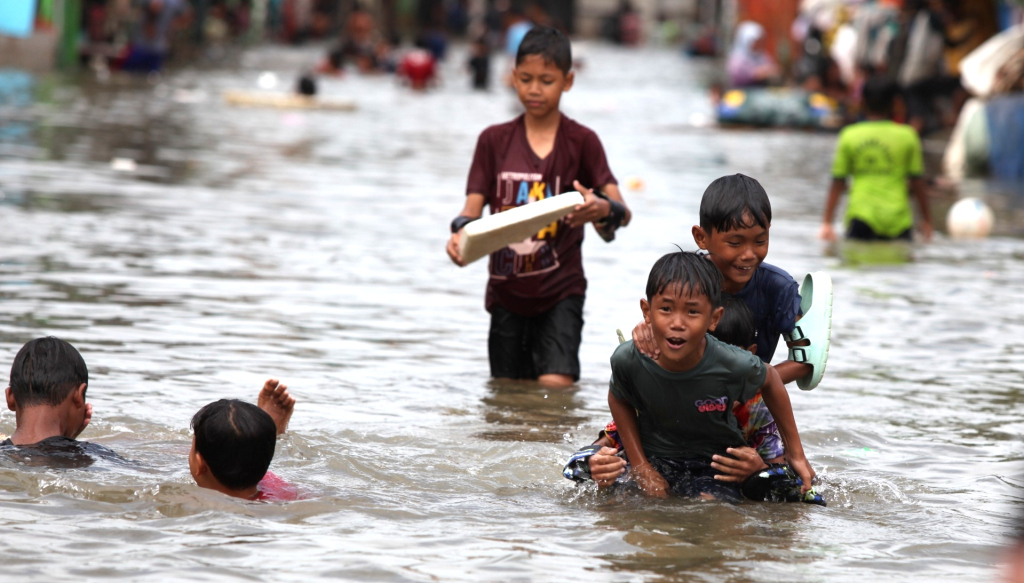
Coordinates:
(970,218)
(267,80)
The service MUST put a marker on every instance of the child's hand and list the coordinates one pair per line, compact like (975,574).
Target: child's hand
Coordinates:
(606,467)
(594,208)
(827,233)
(740,464)
(453,250)
(643,338)
(650,481)
(803,468)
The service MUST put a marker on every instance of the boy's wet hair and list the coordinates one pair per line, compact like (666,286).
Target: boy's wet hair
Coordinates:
(731,201)
(878,94)
(736,326)
(550,44)
(691,272)
(237,441)
(45,371)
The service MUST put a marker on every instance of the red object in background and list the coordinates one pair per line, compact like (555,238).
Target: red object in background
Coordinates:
(418,67)
(776,16)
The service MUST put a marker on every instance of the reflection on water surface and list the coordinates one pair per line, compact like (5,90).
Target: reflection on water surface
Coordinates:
(308,246)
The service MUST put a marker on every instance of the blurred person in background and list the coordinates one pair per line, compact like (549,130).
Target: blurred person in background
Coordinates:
(922,73)
(150,40)
(749,65)
(479,63)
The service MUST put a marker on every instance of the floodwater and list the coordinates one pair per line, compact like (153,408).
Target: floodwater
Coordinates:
(308,246)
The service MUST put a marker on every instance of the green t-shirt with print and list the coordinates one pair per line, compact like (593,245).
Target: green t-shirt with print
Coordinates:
(880,157)
(687,414)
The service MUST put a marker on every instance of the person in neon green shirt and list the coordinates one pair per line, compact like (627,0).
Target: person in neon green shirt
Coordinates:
(884,160)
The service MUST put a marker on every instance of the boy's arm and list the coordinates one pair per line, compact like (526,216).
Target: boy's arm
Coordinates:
(834,192)
(777,400)
(919,190)
(648,478)
(472,210)
(790,370)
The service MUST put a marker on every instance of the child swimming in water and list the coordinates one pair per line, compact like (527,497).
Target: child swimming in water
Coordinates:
(234,443)
(47,392)
(673,414)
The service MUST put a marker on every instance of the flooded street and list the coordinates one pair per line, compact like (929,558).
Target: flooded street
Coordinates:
(309,246)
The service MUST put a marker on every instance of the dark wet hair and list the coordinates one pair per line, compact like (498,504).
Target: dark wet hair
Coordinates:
(237,441)
(878,95)
(729,200)
(550,44)
(687,270)
(737,324)
(45,371)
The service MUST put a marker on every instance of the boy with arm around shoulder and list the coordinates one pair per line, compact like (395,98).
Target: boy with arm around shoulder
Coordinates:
(735,222)
(536,288)
(675,413)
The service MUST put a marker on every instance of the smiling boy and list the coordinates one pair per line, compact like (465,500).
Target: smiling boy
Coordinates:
(735,221)
(536,287)
(675,414)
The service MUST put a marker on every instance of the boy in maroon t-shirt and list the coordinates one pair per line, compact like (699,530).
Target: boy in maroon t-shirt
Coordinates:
(536,287)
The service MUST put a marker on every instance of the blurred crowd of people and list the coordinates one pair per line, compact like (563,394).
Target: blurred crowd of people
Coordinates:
(381,37)
(917,44)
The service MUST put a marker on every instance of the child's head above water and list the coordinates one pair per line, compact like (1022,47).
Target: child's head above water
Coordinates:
(548,43)
(735,217)
(48,377)
(734,202)
(684,296)
(684,273)
(46,371)
(233,446)
(736,325)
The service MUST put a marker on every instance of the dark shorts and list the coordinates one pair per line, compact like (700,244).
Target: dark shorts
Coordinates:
(523,347)
(861,231)
(691,477)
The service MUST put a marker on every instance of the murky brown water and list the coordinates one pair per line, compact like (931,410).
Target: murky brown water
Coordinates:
(308,246)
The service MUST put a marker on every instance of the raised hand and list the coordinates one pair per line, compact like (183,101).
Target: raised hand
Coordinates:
(277,402)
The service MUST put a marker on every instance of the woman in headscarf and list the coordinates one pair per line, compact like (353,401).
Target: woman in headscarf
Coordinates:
(748,64)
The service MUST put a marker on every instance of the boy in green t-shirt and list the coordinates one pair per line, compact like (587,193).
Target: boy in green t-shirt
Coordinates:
(675,413)
(882,157)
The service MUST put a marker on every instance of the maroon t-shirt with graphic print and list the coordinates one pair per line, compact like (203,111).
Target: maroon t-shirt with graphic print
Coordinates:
(528,278)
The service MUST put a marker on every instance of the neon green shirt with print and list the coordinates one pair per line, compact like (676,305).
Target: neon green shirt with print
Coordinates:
(880,156)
